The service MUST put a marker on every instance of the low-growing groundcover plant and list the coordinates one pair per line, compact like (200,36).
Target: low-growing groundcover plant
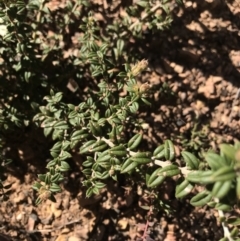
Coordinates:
(102,119)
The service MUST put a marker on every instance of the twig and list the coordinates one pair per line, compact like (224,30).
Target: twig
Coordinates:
(145,231)
(51,230)
(226,232)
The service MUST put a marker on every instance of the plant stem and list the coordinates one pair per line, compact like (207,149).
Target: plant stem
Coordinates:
(145,231)
(226,232)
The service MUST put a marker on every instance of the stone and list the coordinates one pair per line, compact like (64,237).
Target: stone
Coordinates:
(74,238)
(122,223)
(188,4)
(178,68)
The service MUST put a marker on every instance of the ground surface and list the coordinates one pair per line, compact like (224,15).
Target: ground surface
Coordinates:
(199,60)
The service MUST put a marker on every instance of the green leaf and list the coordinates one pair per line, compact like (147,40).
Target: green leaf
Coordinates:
(140,160)
(47,131)
(85,148)
(169,151)
(89,192)
(159,152)
(38,201)
(57,134)
(95,129)
(191,161)
(36,186)
(135,141)
(169,171)
(54,154)
(116,120)
(77,135)
(65,145)
(87,172)
(221,189)
(146,101)
(58,96)
(96,72)
(142,157)
(238,187)
(103,157)
(99,185)
(47,178)
(228,151)
(183,189)
(42,177)
(105,175)
(224,174)
(123,75)
(153,176)
(223,207)
(134,107)
(234,232)
(101,121)
(98,146)
(96,167)
(57,147)
(128,166)
(61,125)
(64,166)
(64,155)
(87,163)
(55,178)
(95,190)
(55,188)
(120,46)
(157,181)
(201,199)
(215,161)
(115,161)
(52,163)
(204,177)
(108,113)
(143,4)
(118,151)
(235,221)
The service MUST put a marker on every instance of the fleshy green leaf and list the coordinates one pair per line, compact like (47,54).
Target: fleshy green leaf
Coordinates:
(183,189)
(228,151)
(191,161)
(128,166)
(215,161)
(201,199)
(224,174)
(169,151)
(55,188)
(134,141)
(221,189)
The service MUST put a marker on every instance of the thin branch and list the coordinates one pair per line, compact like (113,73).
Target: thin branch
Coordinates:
(226,231)
(53,229)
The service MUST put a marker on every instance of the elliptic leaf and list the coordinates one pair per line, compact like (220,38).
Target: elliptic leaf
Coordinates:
(191,161)
(183,189)
(128,166)
(221,189)
(201,199)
